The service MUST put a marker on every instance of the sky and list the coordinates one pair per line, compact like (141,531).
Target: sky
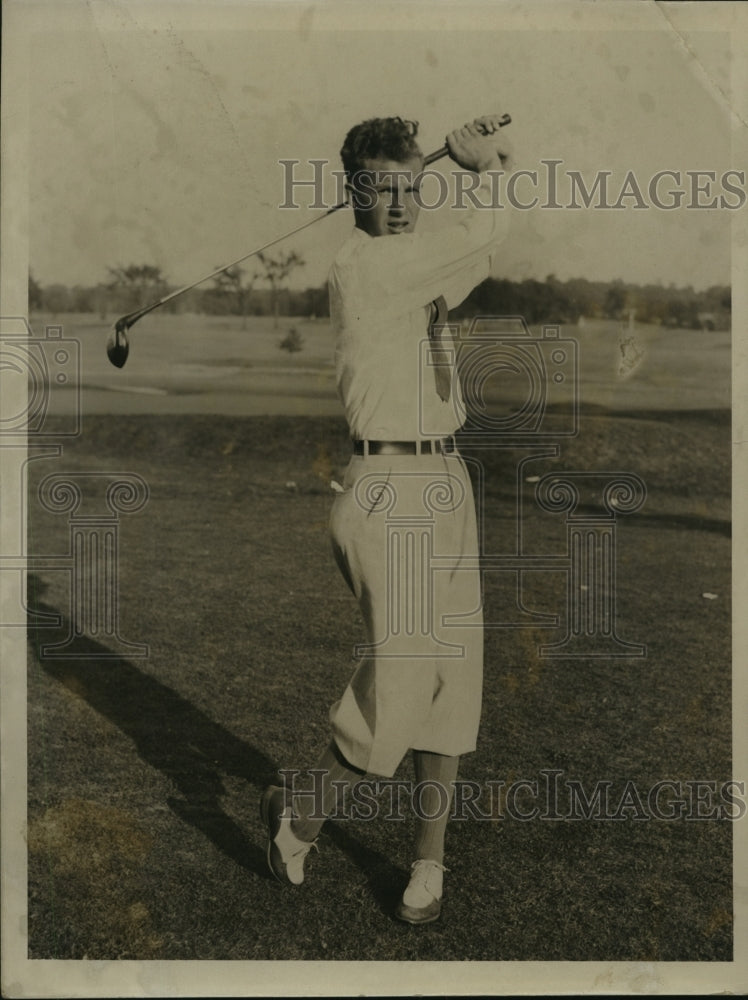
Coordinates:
(156,130)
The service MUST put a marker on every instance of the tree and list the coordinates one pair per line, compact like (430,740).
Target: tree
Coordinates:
(137,285)
(56,299)
(101,300)
(232,284)
(82,299)
(615,300)
(292,342)
(276,270)
(316,302)
(35,293)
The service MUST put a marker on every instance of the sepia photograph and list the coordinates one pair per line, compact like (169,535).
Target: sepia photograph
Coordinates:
(373,498)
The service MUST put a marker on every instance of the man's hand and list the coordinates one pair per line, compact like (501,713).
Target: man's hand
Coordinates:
(480,145)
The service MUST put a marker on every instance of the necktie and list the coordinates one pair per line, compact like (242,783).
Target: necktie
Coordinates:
(440,356)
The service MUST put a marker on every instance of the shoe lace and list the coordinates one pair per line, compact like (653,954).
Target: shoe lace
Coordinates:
(306,848)
(423,869)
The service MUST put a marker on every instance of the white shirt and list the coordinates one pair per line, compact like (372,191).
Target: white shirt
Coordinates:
(380,294)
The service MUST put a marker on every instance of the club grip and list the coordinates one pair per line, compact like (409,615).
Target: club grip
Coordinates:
(444,150)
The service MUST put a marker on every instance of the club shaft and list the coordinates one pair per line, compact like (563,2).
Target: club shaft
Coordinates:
(125,322)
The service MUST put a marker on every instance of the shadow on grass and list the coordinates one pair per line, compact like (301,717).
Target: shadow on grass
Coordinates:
(169,733)
(187,746)
(386,880)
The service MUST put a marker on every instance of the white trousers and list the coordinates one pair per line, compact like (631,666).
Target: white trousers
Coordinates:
(404,536)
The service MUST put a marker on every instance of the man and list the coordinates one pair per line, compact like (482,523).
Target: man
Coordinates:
(403,527)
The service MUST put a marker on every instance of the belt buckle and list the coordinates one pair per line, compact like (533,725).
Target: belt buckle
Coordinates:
(429,446)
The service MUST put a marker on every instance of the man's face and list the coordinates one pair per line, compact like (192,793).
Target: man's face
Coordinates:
(384,196)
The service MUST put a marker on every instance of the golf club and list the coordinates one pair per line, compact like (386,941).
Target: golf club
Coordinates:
(118,347)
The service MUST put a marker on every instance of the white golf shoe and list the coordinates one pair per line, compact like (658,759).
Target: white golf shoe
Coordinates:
(286,854)
(422,900)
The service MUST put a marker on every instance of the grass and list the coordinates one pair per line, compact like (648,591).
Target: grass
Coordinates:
(213,364)
(144,774)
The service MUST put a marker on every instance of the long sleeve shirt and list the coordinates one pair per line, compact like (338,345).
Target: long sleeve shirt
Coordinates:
(380,290)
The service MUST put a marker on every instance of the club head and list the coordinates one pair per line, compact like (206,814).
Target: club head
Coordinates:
(117,347)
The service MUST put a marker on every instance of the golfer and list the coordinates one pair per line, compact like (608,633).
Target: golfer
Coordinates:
(403,527)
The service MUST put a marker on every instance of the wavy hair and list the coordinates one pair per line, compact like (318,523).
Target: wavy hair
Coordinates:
(379,138)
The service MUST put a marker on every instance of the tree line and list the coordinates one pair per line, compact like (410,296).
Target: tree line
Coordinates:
(263,291)
(233,291)
(554,301)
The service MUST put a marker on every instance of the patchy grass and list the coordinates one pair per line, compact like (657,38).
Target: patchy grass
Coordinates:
(144,774)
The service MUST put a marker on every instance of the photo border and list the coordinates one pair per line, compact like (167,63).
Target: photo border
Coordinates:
(52,978)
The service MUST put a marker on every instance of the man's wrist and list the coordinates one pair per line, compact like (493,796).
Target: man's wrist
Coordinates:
(494,163)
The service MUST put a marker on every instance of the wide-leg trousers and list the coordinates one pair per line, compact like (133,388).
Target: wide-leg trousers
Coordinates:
(404,535)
